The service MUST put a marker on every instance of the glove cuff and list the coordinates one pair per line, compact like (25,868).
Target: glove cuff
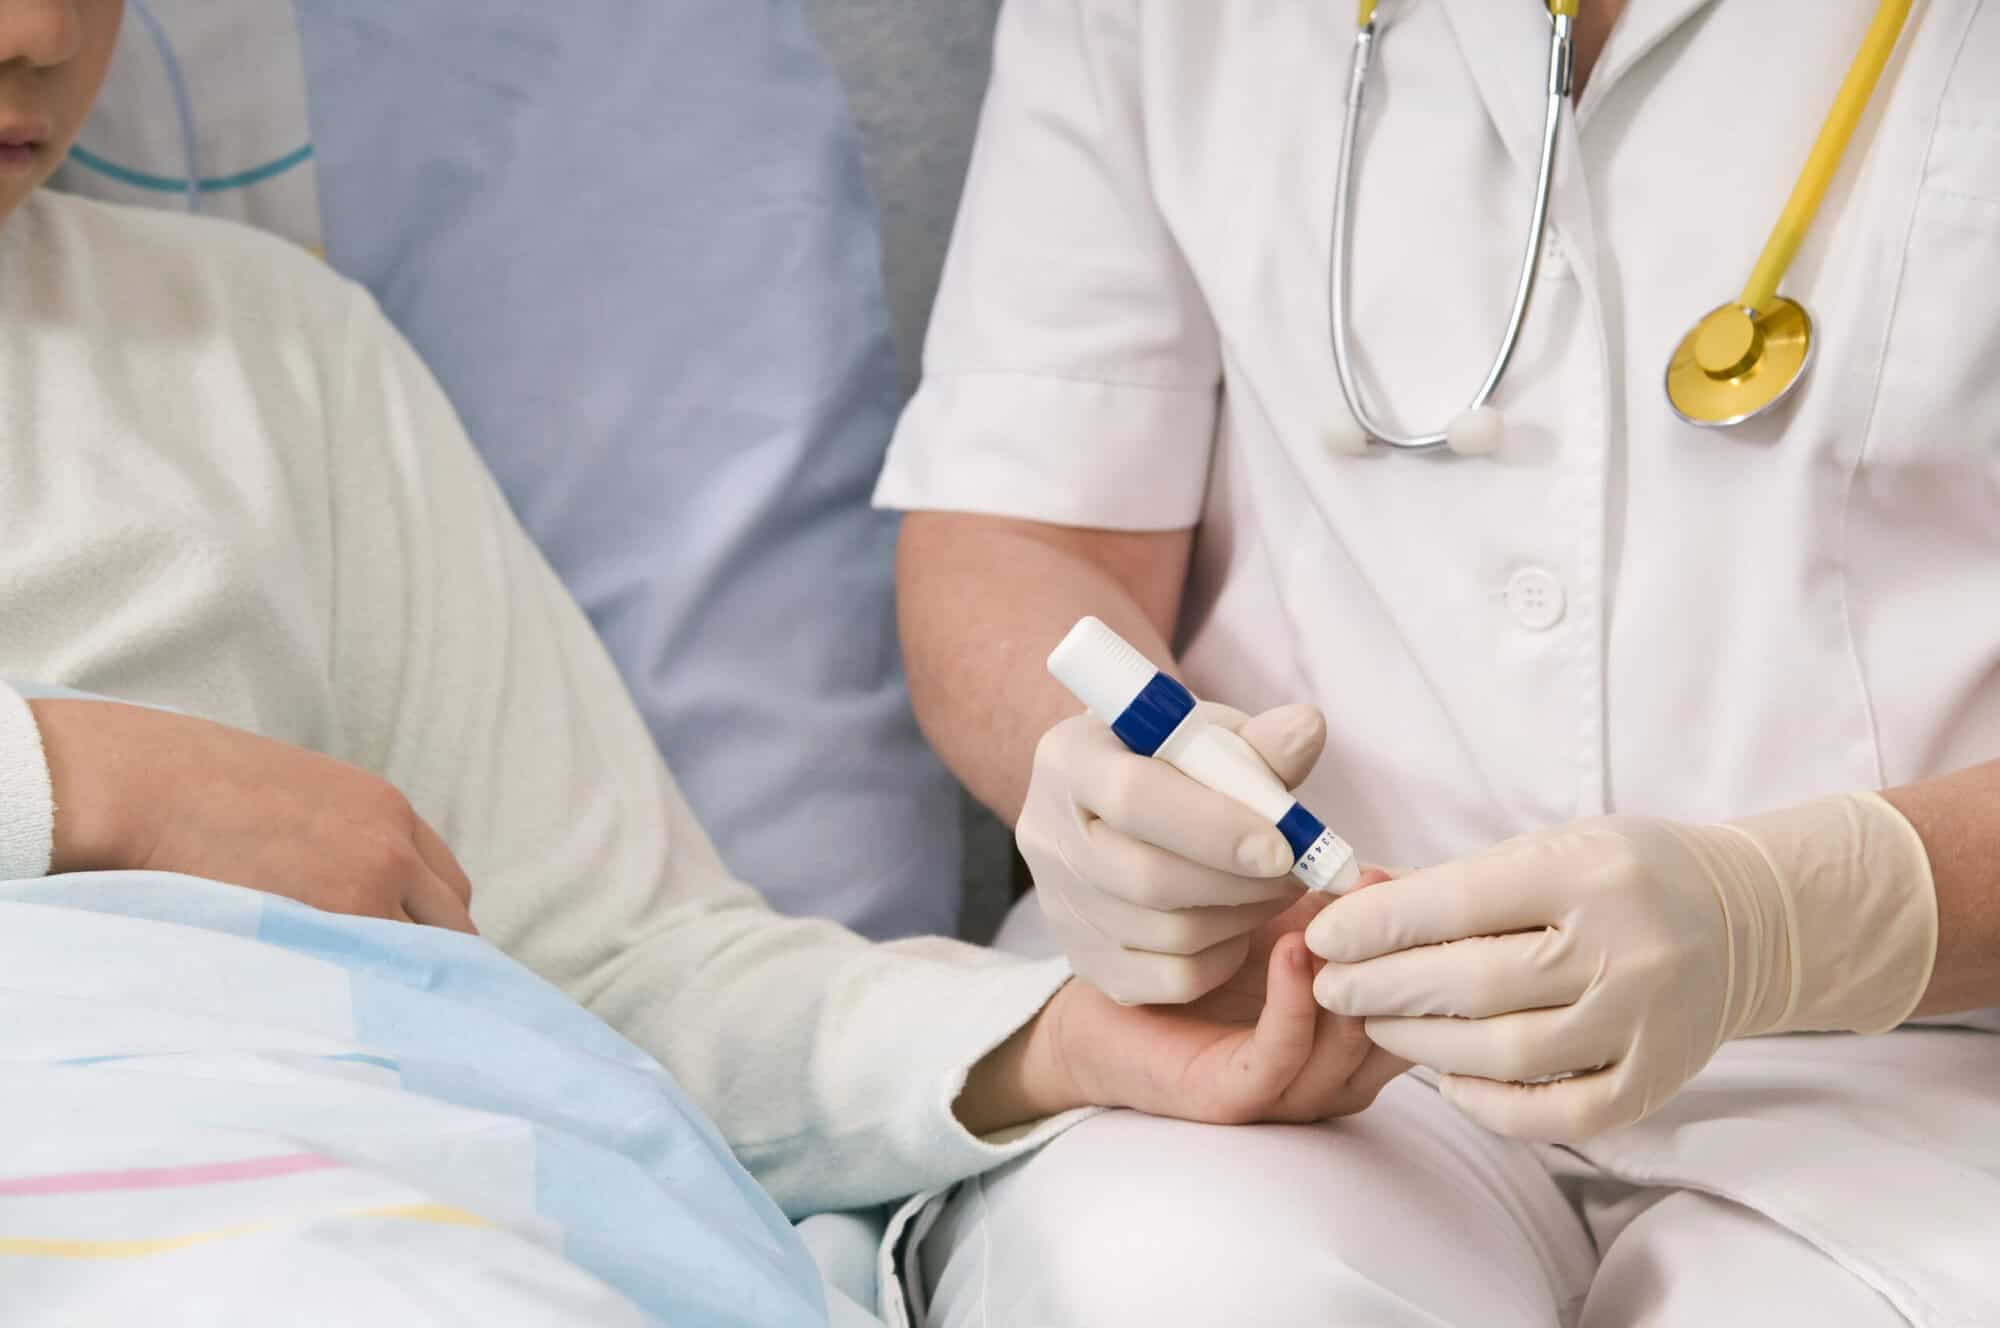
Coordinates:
(1859,918)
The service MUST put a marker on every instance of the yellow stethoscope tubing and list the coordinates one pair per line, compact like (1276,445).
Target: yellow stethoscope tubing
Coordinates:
(1823,161)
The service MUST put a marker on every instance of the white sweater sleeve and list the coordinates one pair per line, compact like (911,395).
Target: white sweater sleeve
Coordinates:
(473,682)
(27,806)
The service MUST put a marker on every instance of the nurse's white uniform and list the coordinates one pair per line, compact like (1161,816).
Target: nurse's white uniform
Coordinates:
(1616,612)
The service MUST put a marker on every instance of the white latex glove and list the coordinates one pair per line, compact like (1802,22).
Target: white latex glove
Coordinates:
(1153,882)
(1622,952)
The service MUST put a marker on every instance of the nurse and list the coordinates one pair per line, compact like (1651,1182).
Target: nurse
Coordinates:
(1693,731)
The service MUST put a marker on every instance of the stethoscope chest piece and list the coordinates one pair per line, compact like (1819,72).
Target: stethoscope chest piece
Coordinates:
(1738,363)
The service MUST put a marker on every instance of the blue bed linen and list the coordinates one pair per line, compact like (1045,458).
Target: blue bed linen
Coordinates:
(150,1018)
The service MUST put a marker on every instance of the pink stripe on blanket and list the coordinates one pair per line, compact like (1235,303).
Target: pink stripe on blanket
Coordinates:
(166,1178)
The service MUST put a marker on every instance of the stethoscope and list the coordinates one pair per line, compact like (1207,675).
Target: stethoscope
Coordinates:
(1739,361)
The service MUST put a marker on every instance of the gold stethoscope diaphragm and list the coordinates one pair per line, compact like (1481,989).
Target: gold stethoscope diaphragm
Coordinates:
(1738,362)
(1745,357)
(1736,365)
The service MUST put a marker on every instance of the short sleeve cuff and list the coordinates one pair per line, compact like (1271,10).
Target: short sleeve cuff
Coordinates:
(27,802)
(1073,453)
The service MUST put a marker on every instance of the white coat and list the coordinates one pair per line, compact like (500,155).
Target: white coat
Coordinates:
(1617,611)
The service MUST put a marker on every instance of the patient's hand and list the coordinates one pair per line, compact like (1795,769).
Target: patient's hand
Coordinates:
(1257,1048)
(149,790)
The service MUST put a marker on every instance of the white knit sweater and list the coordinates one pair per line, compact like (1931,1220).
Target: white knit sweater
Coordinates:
(228,486)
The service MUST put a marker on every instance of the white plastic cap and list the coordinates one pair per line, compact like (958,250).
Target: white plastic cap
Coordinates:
(1474,432)
(1343,437)
(1101,669)
(1346,874)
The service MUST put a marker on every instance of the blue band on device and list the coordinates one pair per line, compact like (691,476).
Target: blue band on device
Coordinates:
(1154,714)
(1300,828)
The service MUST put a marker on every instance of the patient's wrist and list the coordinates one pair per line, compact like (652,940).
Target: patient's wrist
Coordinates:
(1023,1079)
(96,826)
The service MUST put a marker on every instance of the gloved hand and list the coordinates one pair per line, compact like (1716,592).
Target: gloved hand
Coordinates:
(1153,882)
(1623,951)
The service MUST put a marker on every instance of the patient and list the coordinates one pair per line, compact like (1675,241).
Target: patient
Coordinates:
(233,500)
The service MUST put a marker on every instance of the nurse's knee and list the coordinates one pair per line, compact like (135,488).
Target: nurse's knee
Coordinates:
(1140,1221)
(1160,1256)
(1694,1258)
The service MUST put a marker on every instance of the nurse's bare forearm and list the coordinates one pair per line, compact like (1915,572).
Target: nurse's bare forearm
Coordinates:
(981,602)
(1958,817)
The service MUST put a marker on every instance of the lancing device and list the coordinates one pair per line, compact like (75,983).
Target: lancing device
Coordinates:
(1154,715)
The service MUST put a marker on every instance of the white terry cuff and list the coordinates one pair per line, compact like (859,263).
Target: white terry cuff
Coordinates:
(1003,1001)
(920,1032)
(27,802)
(1103,455)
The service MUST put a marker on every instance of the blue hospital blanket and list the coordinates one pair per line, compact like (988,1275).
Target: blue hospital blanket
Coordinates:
(222,1107)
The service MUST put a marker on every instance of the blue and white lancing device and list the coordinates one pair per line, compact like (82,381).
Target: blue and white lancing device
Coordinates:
(1154,715)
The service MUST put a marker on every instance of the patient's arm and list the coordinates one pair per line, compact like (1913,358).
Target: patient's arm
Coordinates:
(469,679)
(462,674)
(459,672)
(154,790)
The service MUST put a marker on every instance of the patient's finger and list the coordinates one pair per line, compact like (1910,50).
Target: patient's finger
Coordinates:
(1288,1026)
(429,901)
(437,855)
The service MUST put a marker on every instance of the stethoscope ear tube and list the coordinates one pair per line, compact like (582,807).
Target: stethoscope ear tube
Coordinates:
(1342,242)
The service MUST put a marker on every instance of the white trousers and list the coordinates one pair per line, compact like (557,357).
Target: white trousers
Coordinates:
(1407,1214)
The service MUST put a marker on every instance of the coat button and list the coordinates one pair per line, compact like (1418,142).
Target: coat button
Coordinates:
(1535,598)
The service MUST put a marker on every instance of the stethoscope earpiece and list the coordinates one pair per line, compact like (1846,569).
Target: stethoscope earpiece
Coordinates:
(1343,437)
(1475,432)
